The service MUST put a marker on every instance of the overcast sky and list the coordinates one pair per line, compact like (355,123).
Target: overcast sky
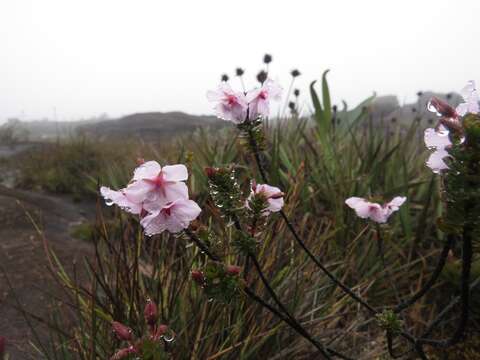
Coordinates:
(87,57)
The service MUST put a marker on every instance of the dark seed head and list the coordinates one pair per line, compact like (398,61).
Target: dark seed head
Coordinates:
(267,58)
(262,76)
(295,73)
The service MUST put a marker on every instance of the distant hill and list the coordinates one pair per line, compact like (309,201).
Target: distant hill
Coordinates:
(147,126)
(386,109)
(151,125)
(41,130)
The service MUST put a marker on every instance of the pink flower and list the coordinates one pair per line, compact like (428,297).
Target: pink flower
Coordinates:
(438,140)
(173,216)
(153,184)
(272,194)
(120,199)
(259,99)
(470,95)
(373,211)
(231,105)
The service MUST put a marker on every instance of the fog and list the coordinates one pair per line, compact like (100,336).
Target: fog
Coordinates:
(77,59)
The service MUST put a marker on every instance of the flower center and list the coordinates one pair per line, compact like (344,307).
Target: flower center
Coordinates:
(167,210)
(232,100)
(263,95)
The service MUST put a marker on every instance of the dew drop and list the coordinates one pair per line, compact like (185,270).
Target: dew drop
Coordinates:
(432,108)
(169,338)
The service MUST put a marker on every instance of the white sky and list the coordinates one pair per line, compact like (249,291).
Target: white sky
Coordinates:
(86,57)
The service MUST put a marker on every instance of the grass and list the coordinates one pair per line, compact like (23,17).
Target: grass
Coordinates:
(318,167)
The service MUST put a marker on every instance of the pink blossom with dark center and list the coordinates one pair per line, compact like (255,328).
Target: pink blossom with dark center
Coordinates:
(174,217)
(259,99)
(155,185)
(230,105)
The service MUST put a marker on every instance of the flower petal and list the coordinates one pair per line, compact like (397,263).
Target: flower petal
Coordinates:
(437,139)
(177,172)
(120,199)
(360,205)
(436,162)
(147,170)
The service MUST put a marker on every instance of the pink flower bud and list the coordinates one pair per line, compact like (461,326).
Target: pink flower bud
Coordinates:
(233,270)
(123,332)
(198,277)
(2,346)
(150,313)
(210,171)
(254,185)
(123,353)
(160,331)
(441,108)
(277,195)
(140,161)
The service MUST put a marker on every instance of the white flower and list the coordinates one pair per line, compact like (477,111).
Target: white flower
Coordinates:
(438,140)
(470,95)
(376,212)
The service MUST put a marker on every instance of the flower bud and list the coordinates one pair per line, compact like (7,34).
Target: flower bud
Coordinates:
(123,353)
(254,185)
(123,332)
(2,346)
(161,330)
(233,270)
(150,313)
(277,195)
(211,172)
(198,277)
(441,108)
